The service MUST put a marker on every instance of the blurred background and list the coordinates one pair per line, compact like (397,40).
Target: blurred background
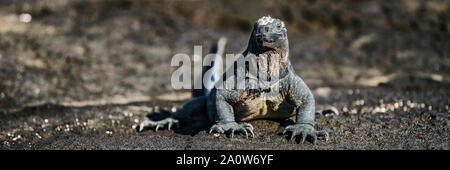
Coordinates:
(63,51)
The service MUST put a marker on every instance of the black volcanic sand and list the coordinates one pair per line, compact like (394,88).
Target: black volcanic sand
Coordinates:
(83,74)
(384,120)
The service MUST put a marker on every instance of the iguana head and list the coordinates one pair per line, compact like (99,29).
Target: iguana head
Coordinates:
(269,34)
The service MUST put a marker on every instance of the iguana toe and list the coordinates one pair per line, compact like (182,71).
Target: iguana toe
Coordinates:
(217,129)
(305,130)
(233,127)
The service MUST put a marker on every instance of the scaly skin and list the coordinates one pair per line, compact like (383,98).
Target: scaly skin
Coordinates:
(229,108)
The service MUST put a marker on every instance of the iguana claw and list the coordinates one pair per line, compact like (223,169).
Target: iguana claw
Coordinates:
(233,127)
(305,130)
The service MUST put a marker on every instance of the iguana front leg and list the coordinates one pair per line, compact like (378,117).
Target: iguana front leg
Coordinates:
(221,113)
(305,107)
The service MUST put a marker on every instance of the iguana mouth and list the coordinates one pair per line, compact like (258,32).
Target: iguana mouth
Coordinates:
(269,42)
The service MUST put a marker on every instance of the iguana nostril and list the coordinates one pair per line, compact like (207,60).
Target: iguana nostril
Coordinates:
(266,29)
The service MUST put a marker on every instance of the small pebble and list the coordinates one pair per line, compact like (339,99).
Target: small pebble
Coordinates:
(16,138)
(350,92)
(39,136)
(25,18)
(174,109)
(344,109)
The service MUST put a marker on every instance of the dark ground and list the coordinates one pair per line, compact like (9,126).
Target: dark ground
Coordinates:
(82,74)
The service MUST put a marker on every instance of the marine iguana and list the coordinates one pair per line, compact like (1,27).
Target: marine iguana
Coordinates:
(230,109)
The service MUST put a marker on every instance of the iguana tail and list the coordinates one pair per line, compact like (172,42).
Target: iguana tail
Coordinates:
(211,77)
(194,112)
